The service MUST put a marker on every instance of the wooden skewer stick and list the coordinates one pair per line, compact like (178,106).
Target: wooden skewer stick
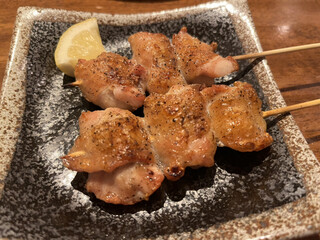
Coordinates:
(72,84)
(291,108)
(278,51)
(74,155)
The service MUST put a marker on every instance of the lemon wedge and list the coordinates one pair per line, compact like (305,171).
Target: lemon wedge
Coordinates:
(80,41)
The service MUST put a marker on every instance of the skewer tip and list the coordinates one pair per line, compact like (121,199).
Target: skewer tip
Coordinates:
(73,155)
(72,84)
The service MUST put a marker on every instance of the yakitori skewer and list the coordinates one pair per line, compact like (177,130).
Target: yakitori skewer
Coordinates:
(291,108)
(264,114)
(277,51)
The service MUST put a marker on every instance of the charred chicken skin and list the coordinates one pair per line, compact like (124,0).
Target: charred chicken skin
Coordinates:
(108,139)
(236,117)
(113,147)
(154,52)
(197,60)
(179,130)
(111,80)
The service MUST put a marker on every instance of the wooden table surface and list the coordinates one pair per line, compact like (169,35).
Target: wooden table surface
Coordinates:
(279,23)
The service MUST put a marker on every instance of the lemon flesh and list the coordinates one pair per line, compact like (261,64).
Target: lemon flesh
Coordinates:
(80,41)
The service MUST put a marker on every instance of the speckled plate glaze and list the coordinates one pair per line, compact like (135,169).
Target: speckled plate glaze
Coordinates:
(270,194)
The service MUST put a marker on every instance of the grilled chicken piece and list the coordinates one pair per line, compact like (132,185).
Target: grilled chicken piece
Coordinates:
(236,117)
(126,185)
(108,139)
(179,130)
(197,61)
(111,80)
(155,53)
(114,149)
